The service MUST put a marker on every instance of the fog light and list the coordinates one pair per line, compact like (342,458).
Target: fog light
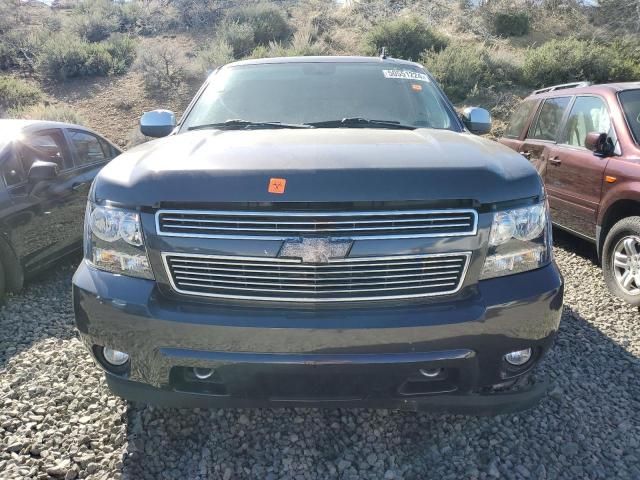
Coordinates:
(115,357)
(519,357)
(430,373)
(202,373)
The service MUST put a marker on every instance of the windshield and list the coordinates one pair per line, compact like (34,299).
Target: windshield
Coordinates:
(630,100)
(321,94)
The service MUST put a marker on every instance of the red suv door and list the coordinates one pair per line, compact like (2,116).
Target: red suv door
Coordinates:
(543,133)
(518,122)
(574,174)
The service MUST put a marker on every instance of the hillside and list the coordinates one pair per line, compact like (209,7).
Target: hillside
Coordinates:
(103,63)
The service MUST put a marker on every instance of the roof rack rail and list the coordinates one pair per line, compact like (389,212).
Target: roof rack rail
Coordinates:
(562,86)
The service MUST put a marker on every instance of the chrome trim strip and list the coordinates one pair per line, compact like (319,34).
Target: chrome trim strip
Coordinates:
(306,279)
(302,286)
(316,272)
(457,287)
(327,230)
(258,222)
(240,213)
(267,260)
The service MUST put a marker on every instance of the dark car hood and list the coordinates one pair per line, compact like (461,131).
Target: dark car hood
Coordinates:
(320,165)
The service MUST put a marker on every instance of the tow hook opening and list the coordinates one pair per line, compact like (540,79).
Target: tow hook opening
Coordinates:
(430,380)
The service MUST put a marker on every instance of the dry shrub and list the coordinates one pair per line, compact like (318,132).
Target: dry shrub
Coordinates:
(16,93)
(164,67)
(56,113)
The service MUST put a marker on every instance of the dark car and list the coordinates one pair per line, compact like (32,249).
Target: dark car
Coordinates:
(47,169)
(320,231)
(585,142)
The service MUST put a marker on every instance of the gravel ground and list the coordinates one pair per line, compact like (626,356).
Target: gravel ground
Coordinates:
(57,419)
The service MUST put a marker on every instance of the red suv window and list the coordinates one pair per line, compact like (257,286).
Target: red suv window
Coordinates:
(630,100)
(549,119)
(519,117)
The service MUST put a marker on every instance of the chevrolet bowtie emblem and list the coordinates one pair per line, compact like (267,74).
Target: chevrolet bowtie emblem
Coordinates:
(315,250)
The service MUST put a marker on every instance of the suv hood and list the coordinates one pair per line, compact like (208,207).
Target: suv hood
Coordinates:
(320,165)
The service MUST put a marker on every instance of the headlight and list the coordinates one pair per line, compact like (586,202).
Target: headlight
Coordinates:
(520,240)
(114,241)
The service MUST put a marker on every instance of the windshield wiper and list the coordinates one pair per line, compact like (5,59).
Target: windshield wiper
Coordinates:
(240,124)
(361,122)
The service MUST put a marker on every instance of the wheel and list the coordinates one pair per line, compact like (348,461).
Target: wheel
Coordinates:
(621,260)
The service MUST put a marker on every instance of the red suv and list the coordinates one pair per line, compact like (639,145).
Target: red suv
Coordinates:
(584,141)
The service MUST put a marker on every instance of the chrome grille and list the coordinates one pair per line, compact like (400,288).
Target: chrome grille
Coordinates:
(271,225)
(349,279)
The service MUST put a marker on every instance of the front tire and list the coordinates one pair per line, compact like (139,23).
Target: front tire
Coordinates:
(621,260)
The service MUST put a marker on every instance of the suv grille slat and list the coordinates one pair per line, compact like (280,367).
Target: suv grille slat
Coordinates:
(282,225)
(350,279)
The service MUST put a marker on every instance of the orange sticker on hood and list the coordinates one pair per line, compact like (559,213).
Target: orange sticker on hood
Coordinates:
(277,185)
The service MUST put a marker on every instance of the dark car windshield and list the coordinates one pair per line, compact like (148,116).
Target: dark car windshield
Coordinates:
(630,100)
(371,95)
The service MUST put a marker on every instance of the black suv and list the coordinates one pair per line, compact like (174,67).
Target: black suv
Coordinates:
(320,231)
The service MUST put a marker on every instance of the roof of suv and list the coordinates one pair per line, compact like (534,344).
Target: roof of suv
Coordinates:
(327,59)
(582,87)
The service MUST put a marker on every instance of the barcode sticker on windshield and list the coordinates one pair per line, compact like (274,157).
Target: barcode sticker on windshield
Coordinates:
(406,75)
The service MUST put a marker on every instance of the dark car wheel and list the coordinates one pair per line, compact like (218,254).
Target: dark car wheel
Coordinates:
(621,260)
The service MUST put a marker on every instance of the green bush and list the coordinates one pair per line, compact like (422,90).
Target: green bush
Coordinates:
(215,55)
(302,44)
(94,26)
(94,20)
(268,22)
(66,56)
(19,49)
(239,36)
(461,67)
(122,50)
(626,54)
(511,24)
(560,61)
(53,22)
(48,112)
(404,38)
(16,93)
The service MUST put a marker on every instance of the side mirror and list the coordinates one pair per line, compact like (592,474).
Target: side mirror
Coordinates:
(599,143)
(40,171)
(157,123)
(477,120)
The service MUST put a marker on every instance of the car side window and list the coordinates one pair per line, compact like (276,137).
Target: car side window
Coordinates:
(588,114)
(12,169)
(549,119)
(88,148)
(519,117)
(46,147)
(112,152)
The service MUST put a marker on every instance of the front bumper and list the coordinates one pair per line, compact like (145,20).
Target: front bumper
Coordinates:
(350,355)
